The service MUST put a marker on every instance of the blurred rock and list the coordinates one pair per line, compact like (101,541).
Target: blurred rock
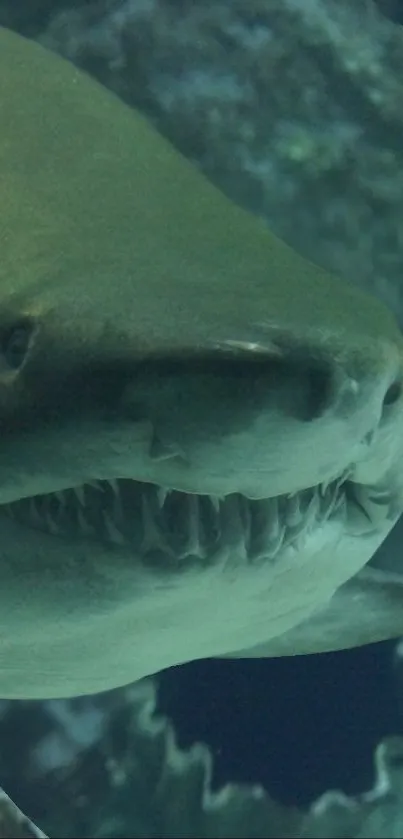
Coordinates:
(392,9)
(31,16)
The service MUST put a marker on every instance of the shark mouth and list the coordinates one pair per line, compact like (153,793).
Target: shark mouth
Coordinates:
(172,528)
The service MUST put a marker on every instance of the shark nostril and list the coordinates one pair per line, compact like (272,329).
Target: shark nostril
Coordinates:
(392,394)
(307,386)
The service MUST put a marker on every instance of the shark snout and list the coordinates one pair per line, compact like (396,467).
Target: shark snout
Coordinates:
(266,419)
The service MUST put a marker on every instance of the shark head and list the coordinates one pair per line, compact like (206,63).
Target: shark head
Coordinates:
(200,432)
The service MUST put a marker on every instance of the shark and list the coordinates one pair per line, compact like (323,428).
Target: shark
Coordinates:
(201,432)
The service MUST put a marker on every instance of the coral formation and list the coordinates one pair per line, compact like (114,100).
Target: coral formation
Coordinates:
(109,766)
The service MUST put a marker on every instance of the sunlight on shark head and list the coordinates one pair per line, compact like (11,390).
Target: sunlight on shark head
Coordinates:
(200,432)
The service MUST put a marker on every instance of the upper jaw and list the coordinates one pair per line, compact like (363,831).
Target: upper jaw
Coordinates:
(256,449)
(133,452)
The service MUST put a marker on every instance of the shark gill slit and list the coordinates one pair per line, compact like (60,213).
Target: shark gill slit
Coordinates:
(170,528)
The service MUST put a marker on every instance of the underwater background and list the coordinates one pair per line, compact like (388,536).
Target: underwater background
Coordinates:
(294,108)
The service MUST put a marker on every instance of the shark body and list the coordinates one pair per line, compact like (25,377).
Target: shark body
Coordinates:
(200,432)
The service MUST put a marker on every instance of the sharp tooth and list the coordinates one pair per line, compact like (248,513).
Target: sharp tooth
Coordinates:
(266,531)
(83,524)
(293,512)
(328,506)
(151,535)
(115,485)
(340,480)
(341,502)
(337,501)
(193,546)
(117,511)
(95,484)
(80,493)
(312,511)
(215,502)
(337,480)
(231,525)
(324,487)
(51,525)
(275,530)
(114,534)
(61,497)
(162,494)
(275,545)
(35,513)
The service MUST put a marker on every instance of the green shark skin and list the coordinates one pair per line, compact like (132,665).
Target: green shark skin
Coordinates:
(152,331)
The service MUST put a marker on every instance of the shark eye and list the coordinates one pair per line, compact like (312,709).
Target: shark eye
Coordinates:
(392,394)
(15,345)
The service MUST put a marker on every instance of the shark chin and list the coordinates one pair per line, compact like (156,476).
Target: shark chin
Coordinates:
(136,577)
